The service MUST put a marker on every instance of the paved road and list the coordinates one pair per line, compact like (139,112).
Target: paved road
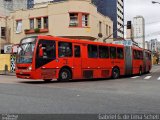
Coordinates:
(138,94)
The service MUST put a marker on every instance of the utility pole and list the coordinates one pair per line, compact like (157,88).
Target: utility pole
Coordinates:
(104,40)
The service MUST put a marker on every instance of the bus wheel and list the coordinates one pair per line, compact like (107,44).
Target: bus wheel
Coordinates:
(115,73)
(64,75)
(47,80)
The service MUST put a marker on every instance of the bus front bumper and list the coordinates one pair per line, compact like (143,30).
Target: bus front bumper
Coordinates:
(24,74)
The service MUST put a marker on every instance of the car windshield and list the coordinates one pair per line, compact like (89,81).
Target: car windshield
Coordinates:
(25,50)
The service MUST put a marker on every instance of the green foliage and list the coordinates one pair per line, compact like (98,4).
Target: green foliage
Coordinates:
(36,30)
(26,30)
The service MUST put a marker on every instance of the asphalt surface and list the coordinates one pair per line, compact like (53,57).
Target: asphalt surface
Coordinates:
(137,94)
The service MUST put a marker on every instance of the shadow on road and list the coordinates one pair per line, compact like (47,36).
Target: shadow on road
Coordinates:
(78,80)
(59,82)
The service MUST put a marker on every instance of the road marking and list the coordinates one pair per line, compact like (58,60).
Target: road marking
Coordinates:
(158,78)
(147,77)
(135,77)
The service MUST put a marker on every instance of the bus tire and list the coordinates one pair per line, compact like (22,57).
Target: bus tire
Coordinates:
(64,75)
(115,73)
(47,80)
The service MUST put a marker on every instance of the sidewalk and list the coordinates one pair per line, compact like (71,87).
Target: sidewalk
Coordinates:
(156,64)
(7,73)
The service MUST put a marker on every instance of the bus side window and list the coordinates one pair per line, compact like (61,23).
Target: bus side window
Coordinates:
(50,50)
(64,49)
(92,51)
(135,54)
(149,56)
(103,52)
(120,54)
(139,55)
(77,51)
(47,47)
(146,55)
(113,52)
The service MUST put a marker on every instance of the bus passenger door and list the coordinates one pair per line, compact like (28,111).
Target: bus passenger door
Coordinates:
(46,54)
(77,61)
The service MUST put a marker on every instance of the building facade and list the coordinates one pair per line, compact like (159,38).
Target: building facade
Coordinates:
(4,33)
(72,19)
(153,45)
(12,5)
(158,47)
(139,30)
(3,8)
(115,10)
(147,45)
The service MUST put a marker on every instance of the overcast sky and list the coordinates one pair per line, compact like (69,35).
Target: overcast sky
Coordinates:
(151,13)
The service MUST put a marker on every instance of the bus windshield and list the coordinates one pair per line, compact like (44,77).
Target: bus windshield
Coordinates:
(25,50)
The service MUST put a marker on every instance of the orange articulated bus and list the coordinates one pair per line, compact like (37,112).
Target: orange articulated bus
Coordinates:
(48,57)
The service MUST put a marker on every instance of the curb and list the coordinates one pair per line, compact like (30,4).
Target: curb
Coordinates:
(8,74)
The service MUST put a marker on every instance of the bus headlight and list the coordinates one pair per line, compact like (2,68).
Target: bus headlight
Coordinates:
(30,67)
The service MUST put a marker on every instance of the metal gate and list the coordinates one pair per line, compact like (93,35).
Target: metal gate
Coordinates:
(13,60)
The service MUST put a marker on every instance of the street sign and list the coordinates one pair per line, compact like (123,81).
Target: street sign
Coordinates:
(7,49)
(124,42)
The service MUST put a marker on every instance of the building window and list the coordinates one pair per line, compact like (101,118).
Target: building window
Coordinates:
(38,22)
(84,20)
(73,19)
(31,23)
(79,19)
(18,26)
(30,4)
(109,30)
(3,32)
(106,30)
(45,22)
(100,27)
